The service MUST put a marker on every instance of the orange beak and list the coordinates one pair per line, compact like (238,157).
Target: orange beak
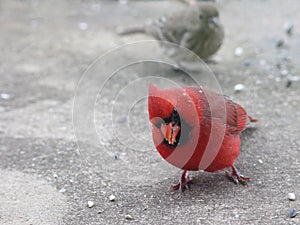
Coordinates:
(170,132)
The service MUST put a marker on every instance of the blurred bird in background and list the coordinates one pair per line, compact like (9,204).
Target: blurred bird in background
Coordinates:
(196,28)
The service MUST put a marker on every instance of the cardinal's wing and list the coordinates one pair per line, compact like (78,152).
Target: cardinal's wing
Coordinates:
(236,116)
(232,114)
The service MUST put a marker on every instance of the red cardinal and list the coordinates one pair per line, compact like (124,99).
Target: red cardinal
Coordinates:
(195,128)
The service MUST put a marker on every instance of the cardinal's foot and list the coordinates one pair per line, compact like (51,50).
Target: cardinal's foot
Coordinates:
(183,182)
(236,177)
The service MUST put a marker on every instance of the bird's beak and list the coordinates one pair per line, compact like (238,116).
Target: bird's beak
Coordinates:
(215,21)
(170,132)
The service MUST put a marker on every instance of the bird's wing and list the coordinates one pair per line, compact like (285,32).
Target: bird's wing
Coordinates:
(220,108)
(169,30)
(175,25)
(237,117)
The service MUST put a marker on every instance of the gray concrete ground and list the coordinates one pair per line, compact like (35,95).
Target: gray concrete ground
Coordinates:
(48,178)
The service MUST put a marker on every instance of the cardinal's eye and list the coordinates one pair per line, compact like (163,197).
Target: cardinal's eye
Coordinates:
(175,118)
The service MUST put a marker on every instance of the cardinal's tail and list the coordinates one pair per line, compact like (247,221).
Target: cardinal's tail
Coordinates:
(252,120)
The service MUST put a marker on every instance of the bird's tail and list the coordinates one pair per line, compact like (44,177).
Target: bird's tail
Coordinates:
(252,120)
(131,30)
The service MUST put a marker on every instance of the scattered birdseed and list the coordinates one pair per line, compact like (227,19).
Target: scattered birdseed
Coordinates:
(279,43)
(289,28)
(292,212)
(238,51)
(5,96)
(112,198)
(100,211)
(258,82)
(284,72)
(128,217)
(239,87)
(247,63)
(83,26)
(262,62)
(294,78)
(288,83)
(62,190)
(90,204)
(292,196)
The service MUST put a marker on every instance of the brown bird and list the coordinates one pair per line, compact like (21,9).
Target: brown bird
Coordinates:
(196,27)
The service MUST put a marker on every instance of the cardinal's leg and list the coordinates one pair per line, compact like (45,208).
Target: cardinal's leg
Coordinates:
(236,176)
(183,182)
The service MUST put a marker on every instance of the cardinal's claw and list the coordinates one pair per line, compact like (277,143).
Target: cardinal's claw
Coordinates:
(236,177)
(183,183)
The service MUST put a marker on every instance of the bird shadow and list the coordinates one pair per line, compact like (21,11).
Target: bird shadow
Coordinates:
(204,185)
(248,133)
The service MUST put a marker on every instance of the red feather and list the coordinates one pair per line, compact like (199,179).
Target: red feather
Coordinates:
(210,124)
